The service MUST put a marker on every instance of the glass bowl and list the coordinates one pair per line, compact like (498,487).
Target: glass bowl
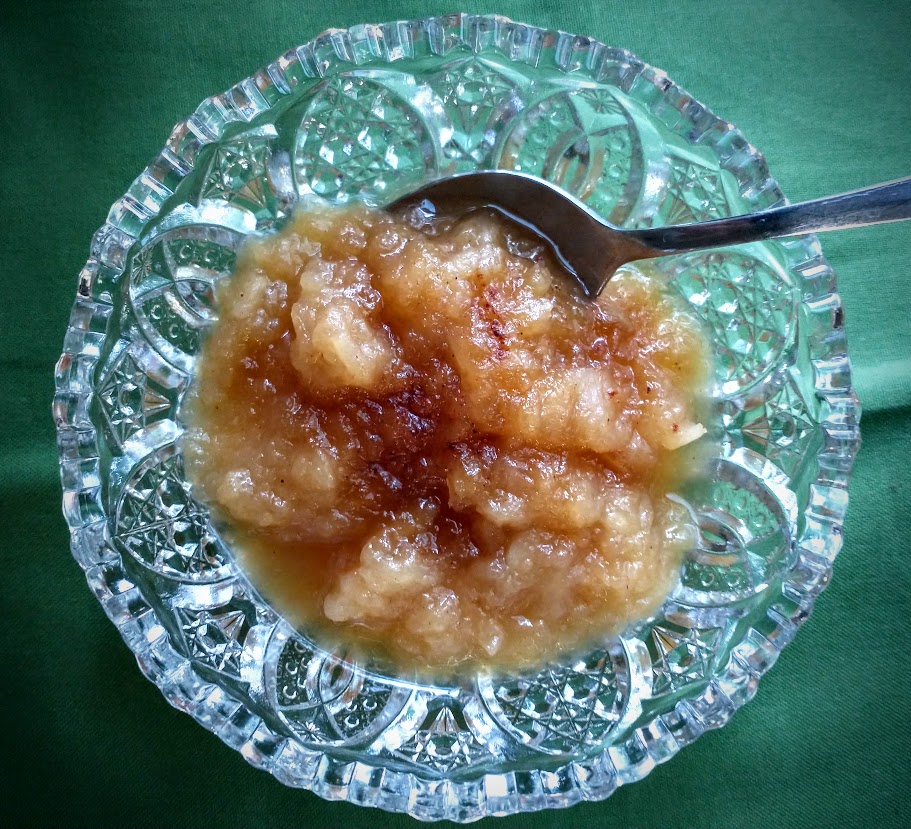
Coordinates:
(371,113)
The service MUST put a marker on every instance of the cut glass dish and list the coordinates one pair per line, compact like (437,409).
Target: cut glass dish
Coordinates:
(372,113)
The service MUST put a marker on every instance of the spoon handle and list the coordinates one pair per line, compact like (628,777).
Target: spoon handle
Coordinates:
(887,202)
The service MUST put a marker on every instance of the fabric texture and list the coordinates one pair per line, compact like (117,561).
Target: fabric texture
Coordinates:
(89,92)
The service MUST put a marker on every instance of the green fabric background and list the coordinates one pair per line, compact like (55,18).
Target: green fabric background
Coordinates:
(88,93)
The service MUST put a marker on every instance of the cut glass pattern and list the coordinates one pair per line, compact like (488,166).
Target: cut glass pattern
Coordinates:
(373,112)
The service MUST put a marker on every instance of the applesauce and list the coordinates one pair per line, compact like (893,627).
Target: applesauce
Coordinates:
(428,443)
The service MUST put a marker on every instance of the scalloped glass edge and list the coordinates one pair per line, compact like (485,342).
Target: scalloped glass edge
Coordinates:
(389,789)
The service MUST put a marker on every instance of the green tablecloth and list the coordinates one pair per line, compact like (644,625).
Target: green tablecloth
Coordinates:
(89,93)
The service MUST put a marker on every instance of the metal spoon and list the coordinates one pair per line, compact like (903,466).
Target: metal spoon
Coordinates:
(591,249)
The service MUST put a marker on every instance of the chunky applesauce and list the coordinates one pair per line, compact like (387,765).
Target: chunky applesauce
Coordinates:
(429,442)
